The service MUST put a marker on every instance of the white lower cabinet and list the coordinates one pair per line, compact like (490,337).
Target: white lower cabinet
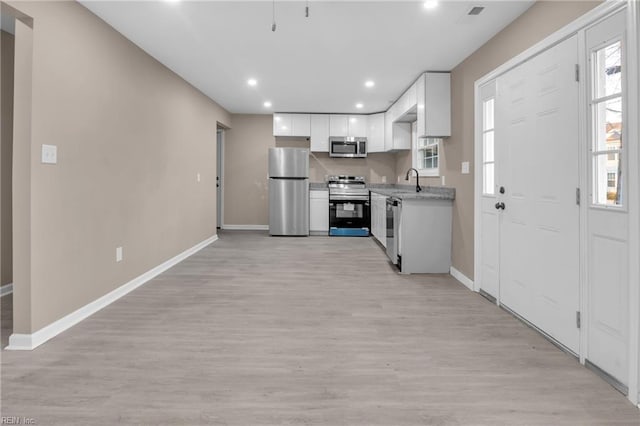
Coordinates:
(424,236)
(319,212)
(379,217)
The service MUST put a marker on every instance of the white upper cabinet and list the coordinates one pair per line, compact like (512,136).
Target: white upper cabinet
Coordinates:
(408,100)
(429,98)
(348,125)
(401,136)
(301,124)
(397,135)
(292,125)
(388,128)
(281,124)
(434,104)
(320,132)
(397,128)
(338,125)
(375,133)
(358,126)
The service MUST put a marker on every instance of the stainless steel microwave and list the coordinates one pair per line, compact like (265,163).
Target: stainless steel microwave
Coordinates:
(349,147)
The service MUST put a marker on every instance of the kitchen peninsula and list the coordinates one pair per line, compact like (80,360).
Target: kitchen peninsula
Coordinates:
(414,227)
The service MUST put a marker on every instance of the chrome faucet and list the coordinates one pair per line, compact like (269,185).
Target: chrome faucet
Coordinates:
(418,187)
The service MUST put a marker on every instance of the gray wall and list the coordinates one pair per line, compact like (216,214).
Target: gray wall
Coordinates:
(131,137)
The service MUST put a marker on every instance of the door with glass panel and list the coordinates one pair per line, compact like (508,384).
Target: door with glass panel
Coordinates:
(489,256)
(537,156)
(607,246)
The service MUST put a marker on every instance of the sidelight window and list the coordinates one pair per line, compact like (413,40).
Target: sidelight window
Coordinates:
(488,147)
(607,147)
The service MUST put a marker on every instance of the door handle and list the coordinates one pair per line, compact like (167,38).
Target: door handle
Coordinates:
(500,206)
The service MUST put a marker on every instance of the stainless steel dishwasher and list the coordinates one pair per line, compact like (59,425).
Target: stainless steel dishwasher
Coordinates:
(393,227)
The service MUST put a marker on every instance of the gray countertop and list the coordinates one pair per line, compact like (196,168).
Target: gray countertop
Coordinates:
(403,192)
(318,185)
(408,192)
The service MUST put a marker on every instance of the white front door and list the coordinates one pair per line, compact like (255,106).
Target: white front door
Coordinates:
(608,240)
(537,146)
(489,253)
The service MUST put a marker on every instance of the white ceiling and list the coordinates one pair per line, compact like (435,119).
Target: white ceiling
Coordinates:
(315,64)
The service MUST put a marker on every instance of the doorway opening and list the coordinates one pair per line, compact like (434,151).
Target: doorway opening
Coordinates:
(7,51)
(220,178)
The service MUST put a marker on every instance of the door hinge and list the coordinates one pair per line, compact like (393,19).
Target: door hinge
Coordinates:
(577,72)
(578,196)
(578,321)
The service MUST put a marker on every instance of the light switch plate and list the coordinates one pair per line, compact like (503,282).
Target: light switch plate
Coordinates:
(198,177)
(49,154)
(443,181)
(465,167)
(118,254)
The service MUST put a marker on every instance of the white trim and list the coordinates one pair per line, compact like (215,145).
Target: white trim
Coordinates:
(246,227)
(464,280)
(633,193)
(27,342)
(478,181)
(585,197)
(6,289)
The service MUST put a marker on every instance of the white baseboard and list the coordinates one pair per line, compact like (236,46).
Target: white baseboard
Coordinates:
(246,227)
(466,281)
(27,342)
(6,289)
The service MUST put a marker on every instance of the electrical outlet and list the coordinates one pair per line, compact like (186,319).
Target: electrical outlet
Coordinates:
(49,154)
(465,168)
(443,181)
(118,254)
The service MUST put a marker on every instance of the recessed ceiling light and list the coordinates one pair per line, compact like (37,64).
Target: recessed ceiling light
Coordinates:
(252,82)
(358,105)
(267,104)
(431,4)
(369,83)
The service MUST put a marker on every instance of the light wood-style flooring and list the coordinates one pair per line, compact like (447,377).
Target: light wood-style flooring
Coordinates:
(255,330)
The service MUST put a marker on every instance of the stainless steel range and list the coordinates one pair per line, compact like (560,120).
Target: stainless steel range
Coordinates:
(348,206)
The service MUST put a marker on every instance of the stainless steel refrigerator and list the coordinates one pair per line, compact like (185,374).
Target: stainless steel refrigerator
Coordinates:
(289,191)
